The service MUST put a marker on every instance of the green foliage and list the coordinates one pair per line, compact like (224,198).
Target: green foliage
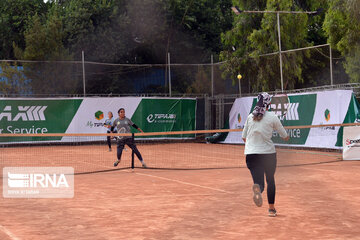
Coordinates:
(121,31)
(12,80)
(205,20)
(201,83)
(254,35)
(342,24)
(144,31)
(14,16)
(44,41)
(96,27)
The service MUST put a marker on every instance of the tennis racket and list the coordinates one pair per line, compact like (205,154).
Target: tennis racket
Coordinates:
(121,130)
(280,104)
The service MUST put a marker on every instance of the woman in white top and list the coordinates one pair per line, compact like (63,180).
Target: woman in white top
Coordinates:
(260,150)
(109,128)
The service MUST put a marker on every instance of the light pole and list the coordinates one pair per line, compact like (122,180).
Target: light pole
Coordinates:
(239,78)
(237,11)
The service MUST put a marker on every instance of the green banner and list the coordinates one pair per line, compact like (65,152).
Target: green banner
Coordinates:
(36,116)
(163,115)
(352,115)
(300,112)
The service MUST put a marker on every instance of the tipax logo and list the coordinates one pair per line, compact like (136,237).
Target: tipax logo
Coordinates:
(24,113)
(292,112)
(38,182)
(161,118)
(288,111)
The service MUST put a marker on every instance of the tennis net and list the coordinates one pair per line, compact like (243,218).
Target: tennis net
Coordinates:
(207,149)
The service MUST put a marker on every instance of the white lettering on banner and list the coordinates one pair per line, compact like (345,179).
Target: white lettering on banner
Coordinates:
(21,115)
(292,112)
(26,130)
(293,133)
(5,114)
(150,118)
(26,113)
(161,118)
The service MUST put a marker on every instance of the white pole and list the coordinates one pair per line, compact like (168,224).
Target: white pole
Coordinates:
(279,35)
(83,67)
(212,75)
(169,74)
(331,67)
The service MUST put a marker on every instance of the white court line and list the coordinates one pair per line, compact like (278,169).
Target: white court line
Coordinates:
(174,180)
(103,166)
(185,183)
(319,169)
(7,232)
(142,197)
(233,233)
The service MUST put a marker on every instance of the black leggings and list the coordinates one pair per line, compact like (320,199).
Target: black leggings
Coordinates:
(108,138)
(260,164)
(131,143)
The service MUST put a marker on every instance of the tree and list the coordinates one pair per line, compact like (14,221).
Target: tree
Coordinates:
(202,83)
(13,80)
(342,25)
(14,16)
(44,42)
(96,27)
(256,34)
(237,48)
(205,20)
(122,31)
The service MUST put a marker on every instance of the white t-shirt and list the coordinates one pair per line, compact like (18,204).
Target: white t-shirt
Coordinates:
(110,122)
(258,133)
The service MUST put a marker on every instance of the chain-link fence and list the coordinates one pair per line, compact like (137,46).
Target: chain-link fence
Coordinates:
(209,83)
(46,78)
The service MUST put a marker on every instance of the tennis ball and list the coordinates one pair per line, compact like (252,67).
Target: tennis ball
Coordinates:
(239,76)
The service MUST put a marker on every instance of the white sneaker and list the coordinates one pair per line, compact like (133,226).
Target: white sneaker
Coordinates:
(272,212)
(257,195)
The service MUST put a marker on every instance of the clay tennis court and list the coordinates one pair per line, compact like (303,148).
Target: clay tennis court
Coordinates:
(317,195)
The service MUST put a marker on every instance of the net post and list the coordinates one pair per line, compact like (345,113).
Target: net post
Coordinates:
(132,153)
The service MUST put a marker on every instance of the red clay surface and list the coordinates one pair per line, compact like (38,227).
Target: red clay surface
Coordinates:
(315,201)
(170,155)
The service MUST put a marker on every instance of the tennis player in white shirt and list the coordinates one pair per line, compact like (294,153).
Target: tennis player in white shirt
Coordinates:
(260,150)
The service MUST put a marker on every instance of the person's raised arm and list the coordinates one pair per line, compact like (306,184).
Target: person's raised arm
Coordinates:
(280,129)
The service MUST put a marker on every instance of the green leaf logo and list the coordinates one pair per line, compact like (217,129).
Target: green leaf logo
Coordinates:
(99,115)
(239,117)
(327,115)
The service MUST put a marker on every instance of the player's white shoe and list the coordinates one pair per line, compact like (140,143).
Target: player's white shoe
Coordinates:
(144,164)
(257,195)
(272,212)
